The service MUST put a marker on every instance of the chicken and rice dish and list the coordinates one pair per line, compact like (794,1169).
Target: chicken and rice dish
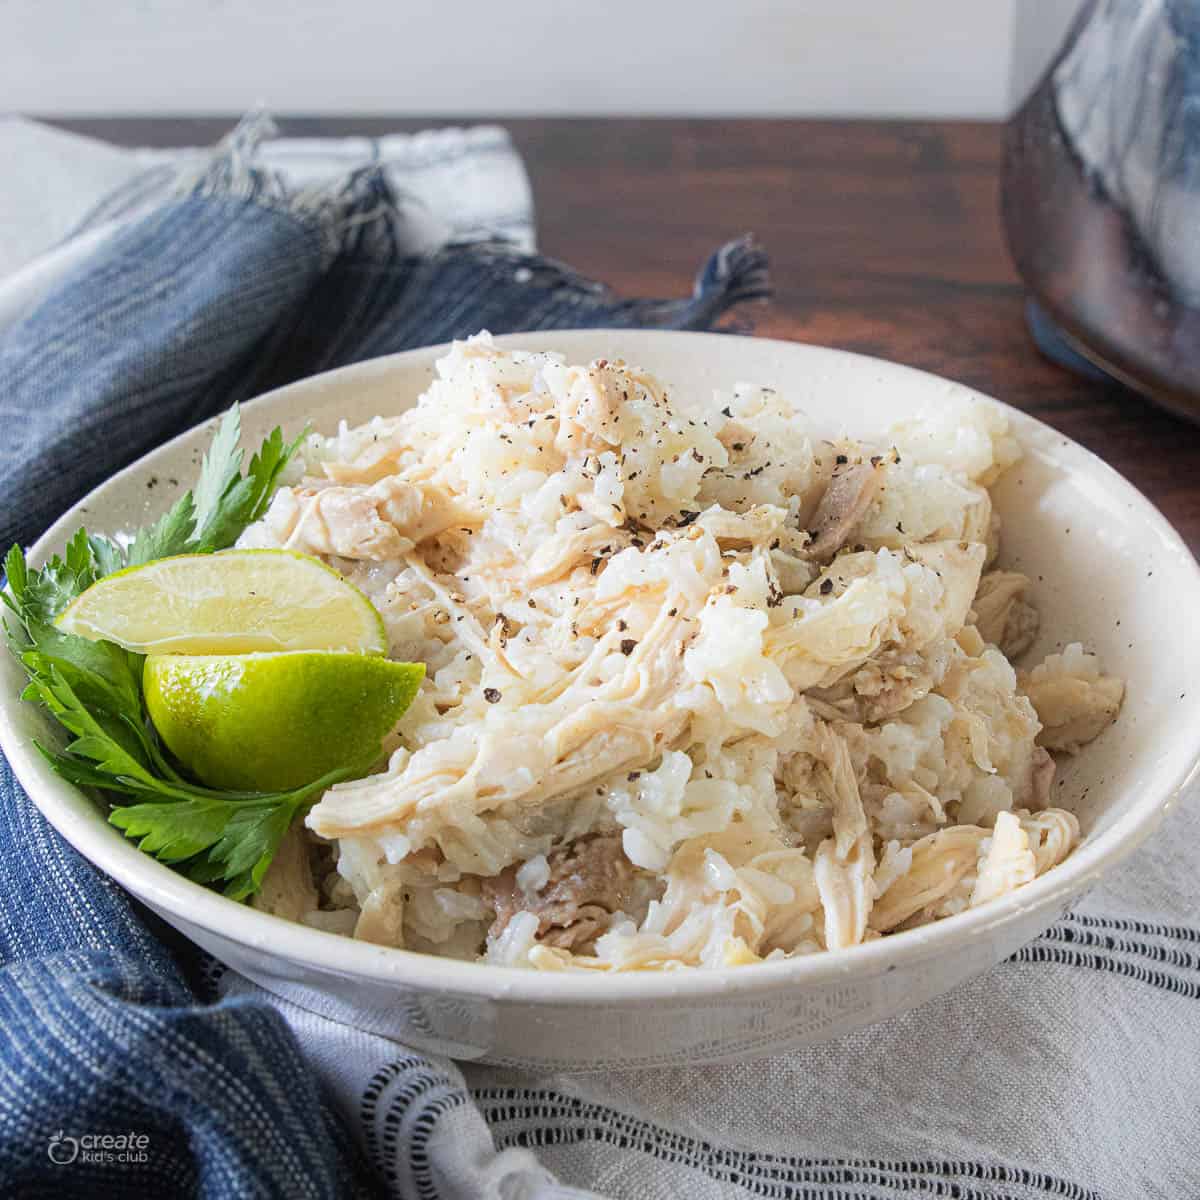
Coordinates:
(703,687)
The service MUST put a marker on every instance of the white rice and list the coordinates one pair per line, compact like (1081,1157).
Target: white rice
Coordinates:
(626,635)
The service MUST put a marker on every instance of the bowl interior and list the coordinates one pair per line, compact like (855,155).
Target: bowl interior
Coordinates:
(1107,568)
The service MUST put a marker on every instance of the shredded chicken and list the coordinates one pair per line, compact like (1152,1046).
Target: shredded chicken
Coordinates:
(382,521)
(579,734)
(893,680)
(1052,836)
(939,861)
(589,882)
(1008,863)
(845,887)
(835,776)
(287,888)
(1075,702)
(702,687)
(842,507)
(1041,778)
(381,917)
(1002,614)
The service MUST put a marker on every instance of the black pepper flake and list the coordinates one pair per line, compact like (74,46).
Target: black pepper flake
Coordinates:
(725,412)
(739,445)
(686,517)
(532,602)
(841,460)
(755,471)
(491,695)
(671,612)
(826,587)
(622,626)
(628,645)
(876,459)
(775,544)
(595,566)
(633,775)
(899,527)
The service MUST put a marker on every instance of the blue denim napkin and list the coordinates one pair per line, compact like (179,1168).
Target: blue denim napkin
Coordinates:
(220,294)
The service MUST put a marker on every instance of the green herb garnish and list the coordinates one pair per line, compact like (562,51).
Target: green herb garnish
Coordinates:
(94,689)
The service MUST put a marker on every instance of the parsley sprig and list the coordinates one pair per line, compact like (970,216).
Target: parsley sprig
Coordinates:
(94,689)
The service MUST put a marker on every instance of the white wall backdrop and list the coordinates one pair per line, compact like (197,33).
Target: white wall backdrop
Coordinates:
(779,57)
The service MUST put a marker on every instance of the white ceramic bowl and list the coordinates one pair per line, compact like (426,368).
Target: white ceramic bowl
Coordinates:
(1109,571)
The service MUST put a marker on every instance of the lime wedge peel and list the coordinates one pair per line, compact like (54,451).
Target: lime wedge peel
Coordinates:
(273,722)
(232,602)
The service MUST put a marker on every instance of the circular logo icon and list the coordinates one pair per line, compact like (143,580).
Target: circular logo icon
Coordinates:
(62,1150)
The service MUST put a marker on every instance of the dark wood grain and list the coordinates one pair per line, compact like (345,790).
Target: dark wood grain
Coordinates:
(884,238)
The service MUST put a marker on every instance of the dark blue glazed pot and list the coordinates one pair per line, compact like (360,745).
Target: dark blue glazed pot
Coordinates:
(1101,195)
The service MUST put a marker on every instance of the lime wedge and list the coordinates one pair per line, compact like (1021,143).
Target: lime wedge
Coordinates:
(272,722)
(234,602)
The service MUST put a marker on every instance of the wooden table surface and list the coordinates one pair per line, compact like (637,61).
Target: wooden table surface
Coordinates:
(884,238)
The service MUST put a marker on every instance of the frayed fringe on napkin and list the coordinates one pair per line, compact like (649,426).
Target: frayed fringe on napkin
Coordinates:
(367,216)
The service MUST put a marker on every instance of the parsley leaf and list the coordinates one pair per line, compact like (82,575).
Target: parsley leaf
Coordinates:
(93,690)
(171,534)
(225,502)
(222,838)
(39,596)
(219,473)
(106,555)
